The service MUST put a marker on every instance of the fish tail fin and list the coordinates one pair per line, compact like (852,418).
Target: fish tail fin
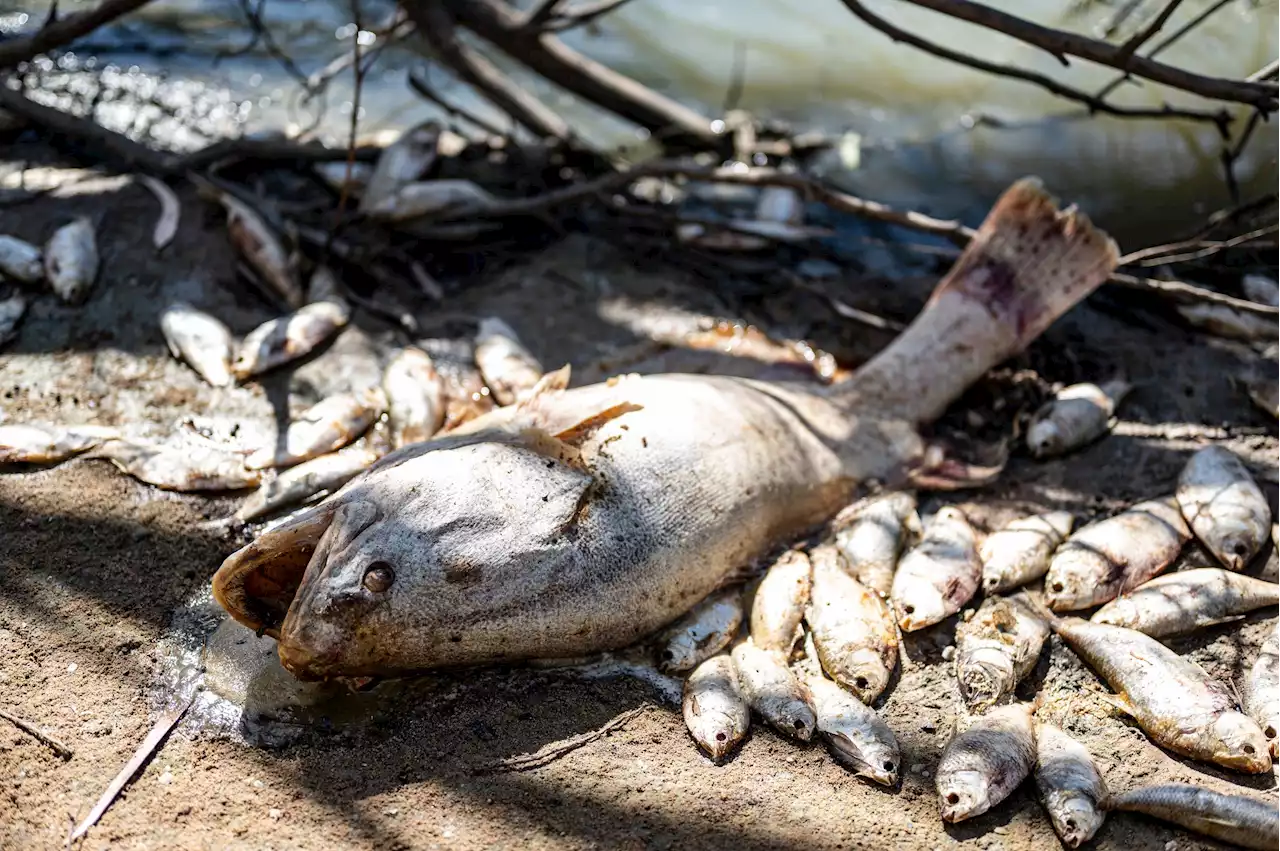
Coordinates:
(1027,264)
(1037,608)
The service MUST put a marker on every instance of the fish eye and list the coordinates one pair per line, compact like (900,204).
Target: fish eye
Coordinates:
(720,737)
(953,798)
(1248,749)
(888,765)
(1057,586)
(1071,823)
(378,577)
(1240,549)
(860,682)
(908,609)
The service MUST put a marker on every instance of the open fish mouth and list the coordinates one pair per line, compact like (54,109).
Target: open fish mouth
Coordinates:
(258,583)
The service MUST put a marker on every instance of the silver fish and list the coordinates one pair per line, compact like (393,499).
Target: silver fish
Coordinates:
(995,649)
(1076,416)
(289,338)
(704,632)
(715,711)
(465,393)
(20,260)
(1020,552)
(262,249)
(402,162)
(507,366)
(45,444)
(71,260)
(327,425)
(199,339)
(856,735)
(1105,559)
(1234,819)
(12,309)
(1224,506)
(1173,699)
(780,601)
(1261,289)
(937,577)
(300,483)
(415,396)
(1070,786)
(719,239)
(871,534)
(1181,602)
(771,688)
(1262,692)
(852,627)
(983,764)
(448,198)
(184,466)
(1220,320)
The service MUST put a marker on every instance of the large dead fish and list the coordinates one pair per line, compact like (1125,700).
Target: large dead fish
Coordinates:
(981,765)
(199,339)
(1235,819)
(1188,600)
(327,425)
(1070,786)
(47,444)
(1107,558)
(1020,552)
(1262,692)
(780,600)
(71,260)
(1224,506)
(853,631)
(871,534)
(940,574)
(995,649)
(288,338)
(587,519)
(1173,699)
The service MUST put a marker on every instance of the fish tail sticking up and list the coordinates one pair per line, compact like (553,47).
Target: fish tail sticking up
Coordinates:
(1034,606)
(1027,265)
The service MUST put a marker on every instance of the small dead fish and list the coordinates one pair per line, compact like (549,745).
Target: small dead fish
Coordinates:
(1234,819)
(780,204)
(702,633)
(507,366)
(1173,699)
(1070,786)
(300,483)
(1262,692)
(327,425)
(466,396)
(1105,559)
(871,534)
(199,339)
(983,764)
(1078,415)
(715,711)
(170,211)
(43,444)
(289,338)
(771,688)
(1222,321)
(1188,600)
(415,396)
(20,260)
(936,578)
(445,198)
(71,260)
(857,736)
(1020,552)
(1224,506)
(995,649)
(780,601)
(262,249)
(402,162)
(852,627)
(1261,289)
(12,309)
(718,239)
(185,466)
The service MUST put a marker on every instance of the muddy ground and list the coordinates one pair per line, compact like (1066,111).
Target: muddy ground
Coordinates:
(93,567)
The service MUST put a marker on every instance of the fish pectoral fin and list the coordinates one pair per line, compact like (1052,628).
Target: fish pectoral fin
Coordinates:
(1120,702)
(578,433)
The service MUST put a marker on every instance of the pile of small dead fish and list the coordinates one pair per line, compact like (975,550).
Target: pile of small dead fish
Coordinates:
(68,262)
(826,627)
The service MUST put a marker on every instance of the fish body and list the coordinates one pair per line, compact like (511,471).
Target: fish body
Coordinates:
(507,366)
(12,309)
(1105,559)
(780,204)
(780,601)
(983,764)
(1172,698)
(852,627)
(1020,552)
(1188,600)
(871,534)
(716,713)
(299,483)
(1070,786)
(940,574)
(857,736)
(448,198)
(771,688)
(1224,506)
(402,162)
(995,649)
(288,338)
(262,250)
(201,340)
(704,632)
(71,260)
(43,444)
(1223,321)
(20,260)
(1262,692)
(1261,289)
(1077,415)
(327,425)
(1234,819)
(465,394)
(185,466)
(415,396)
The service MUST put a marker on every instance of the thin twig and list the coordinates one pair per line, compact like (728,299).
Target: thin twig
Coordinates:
(424,89)
(262,33)
(1188,293)
(577,16)
(1145,35)
(1266,72)
(1231,154)
(1192,249)
(1172,39)
(355,117)
(31,729)
(64,31)
(392,30)
(555,750)
(540,13)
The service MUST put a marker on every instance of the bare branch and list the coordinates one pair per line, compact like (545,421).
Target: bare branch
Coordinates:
(1095,104)
(57,33)
(1173,38)
(540,13)
(1145,35)
(1188,293)
(583,14)
(424,89)
(1191,249)
(1266,72)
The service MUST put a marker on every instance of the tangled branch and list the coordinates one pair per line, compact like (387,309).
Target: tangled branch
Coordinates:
(57,33)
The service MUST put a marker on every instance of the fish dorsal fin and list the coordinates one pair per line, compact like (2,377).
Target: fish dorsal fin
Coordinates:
(552,382)
(578,434)
(551,446)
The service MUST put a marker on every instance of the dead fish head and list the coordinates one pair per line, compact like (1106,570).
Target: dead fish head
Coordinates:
(415,564)
(1076,819)
(866,673)
(1239,743)
(963,795)
(875,758)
